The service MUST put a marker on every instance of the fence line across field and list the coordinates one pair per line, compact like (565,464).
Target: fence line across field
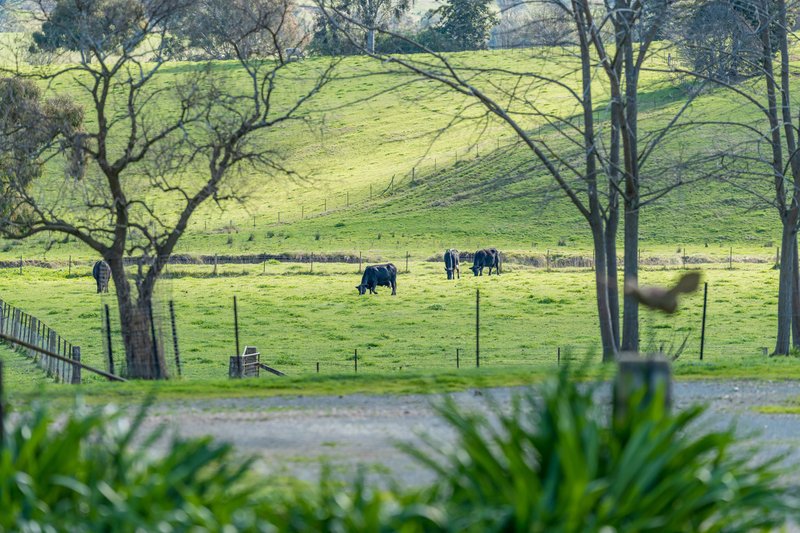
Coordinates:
(35,339)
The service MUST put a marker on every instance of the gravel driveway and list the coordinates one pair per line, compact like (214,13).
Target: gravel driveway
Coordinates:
(293,434)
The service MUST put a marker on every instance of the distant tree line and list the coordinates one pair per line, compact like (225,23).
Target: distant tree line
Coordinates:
(455,25)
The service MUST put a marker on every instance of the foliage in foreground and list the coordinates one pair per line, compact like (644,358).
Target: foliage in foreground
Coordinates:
(552,462)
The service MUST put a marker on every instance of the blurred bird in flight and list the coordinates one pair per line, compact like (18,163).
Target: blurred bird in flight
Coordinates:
(664,299)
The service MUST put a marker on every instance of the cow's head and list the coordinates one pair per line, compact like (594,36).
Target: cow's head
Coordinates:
(361,289)
(474,269)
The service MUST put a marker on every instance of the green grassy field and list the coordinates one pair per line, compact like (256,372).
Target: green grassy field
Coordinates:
(380,171)
(298,319)
(381,175)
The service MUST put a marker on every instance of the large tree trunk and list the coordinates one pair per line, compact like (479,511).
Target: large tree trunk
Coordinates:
(143,359)
(785,283)
(630,315)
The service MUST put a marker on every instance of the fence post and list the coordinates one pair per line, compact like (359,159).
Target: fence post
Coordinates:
(558,356)
(76,370)
(2,410)
(458,358)
(236,323)
(406,262)
(703,327)
(317,367)
(110,352)
(20,264)
(174,338)
(69,268)
(730,259)
(156,362)
(477,328)
(355,360)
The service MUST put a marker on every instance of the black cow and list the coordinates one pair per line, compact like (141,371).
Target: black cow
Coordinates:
(451,257)
(101,273)
(378,276)
(488,257)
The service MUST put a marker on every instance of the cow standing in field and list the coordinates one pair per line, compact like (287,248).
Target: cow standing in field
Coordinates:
(101,273)
(451,258)
(488,257)
(378,276)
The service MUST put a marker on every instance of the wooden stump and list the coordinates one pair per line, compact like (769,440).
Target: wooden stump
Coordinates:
(638,373)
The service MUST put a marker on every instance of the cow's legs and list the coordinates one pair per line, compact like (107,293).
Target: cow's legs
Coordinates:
(394,288)
(458,271)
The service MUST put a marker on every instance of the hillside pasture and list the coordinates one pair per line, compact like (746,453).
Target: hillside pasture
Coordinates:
(298,318)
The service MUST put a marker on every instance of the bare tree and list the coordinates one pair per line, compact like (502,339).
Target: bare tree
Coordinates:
(602,161)
(761,157)
(156,144)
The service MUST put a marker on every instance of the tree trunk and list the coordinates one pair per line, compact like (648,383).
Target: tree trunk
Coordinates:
(795,297)
(142,357)
(602,290)
(371,41)
(612,273)
(788,240)
(630,314)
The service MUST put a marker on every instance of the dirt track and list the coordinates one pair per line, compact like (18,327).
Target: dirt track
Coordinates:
(292,434)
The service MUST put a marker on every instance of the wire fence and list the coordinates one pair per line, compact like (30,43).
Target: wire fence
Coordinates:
(18,324)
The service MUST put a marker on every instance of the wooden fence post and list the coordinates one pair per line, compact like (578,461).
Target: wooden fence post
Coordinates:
(76,370)
(703,327)
(156,362)
(355,360)
(175,338)
(2,410)
(110,352)
(236,323)
(636,373)
(477,328)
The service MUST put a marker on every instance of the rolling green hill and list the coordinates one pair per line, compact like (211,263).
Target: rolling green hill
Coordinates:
(380,172)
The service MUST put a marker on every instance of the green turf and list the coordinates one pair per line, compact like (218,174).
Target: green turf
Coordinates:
(472,187)
(298,319)
(466,186)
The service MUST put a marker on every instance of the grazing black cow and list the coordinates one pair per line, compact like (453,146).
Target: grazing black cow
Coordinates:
(101,273)
(488,257)
(451,257)
(378,276)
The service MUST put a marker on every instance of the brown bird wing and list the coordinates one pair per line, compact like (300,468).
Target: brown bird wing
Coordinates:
(688,283)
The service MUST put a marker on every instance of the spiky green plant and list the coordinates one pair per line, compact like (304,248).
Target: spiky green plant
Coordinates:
(555,462)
